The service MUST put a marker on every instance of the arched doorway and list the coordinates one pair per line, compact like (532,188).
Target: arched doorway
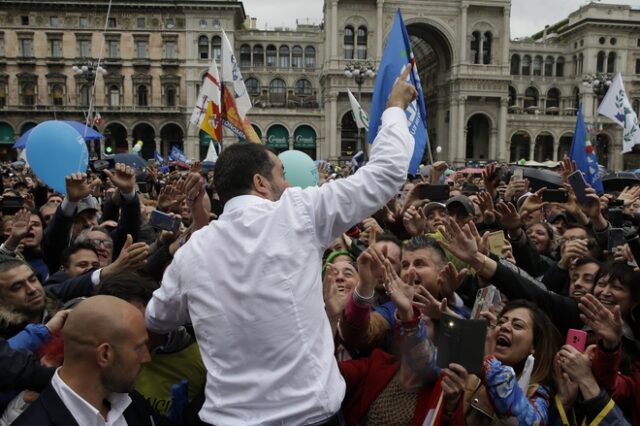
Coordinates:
(27,126)
(602,149)
(348,136)
(7,139)
(543,148)
(478,129)
(145,133)
(520,143)
(564,145)
(434,56)
(115,141)
(171,135)
(304,139)
(278,138)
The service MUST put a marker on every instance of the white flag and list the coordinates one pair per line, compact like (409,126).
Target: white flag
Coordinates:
(361,117)
(207,114)
(231,76)
(212,154)
(616,106)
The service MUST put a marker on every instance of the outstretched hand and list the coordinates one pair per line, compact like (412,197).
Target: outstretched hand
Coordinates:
(402,93)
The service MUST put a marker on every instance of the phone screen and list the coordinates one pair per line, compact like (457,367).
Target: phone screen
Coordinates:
(519,173)
(616,239)
(555,196)
(577,182)
(496,242)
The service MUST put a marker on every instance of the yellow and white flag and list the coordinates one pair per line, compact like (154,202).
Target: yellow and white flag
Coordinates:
(207,112)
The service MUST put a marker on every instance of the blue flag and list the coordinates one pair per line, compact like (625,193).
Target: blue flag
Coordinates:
(177,155)
(397,54)
(584,156)
(158,157)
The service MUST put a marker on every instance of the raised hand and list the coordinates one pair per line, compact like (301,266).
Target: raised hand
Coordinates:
(334,300)
(19,229)
(414,221)
(607,324)
(573,250)
(170,196)
(123,178)
(402,93)
(450,280)
(459,241)
(567,390)
(509,216)
(491,179)
(370,268)
(533,202)
(630,194)
(133,256)
(429,305)
(485,202)
(436,171)
(77,187)
(453,385)
(567,167)
(56,322)
(371,226)
(400,292)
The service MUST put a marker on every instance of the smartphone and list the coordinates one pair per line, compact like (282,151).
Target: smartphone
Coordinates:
(616,203)
(100,165)
(496,242)
(555,195)
(579,185)
(461,341)
(577,339)
(519,173)
(616,217)
(486,298)
(143,187)
(164,221)
(616,239)
(434,192)
(11,205)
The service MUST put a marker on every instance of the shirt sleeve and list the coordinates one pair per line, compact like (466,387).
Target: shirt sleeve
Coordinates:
(337,206)
(167,308)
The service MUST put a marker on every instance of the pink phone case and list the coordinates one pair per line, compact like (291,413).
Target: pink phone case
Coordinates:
(577,339)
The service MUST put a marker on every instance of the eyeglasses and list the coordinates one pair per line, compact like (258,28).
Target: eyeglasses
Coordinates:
(98,243)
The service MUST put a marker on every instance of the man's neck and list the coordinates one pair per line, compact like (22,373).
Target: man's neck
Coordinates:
(87,389)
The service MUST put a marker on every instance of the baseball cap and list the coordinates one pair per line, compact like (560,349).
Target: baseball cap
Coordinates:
(462,200)
(432,206)
(88,203)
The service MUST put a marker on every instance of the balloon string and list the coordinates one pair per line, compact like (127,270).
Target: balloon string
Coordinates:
(95,77)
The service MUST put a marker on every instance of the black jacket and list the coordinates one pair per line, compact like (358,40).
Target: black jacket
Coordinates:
(20,369)
(64,288)
(49,410)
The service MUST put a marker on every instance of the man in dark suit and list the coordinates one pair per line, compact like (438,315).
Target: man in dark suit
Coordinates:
(105,345)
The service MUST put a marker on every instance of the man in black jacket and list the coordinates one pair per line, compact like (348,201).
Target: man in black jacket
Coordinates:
(19,369)
(99,370)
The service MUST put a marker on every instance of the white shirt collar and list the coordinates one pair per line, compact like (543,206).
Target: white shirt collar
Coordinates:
(243,201)
(87,414)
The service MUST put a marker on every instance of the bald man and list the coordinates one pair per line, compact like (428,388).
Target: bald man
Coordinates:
(105,345)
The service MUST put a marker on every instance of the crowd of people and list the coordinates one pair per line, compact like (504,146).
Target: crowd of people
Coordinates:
(267,304)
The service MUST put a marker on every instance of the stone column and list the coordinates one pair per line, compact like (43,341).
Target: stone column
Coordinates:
(463,33)
(452,147)
(379,30)
(462,130)
(157,143)
(332,136)
(334,29)
(130,142)
(556,145)
(502,130)
(506,36)
(532,150)
(493,141)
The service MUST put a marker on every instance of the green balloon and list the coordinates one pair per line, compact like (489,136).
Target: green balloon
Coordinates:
(299,169)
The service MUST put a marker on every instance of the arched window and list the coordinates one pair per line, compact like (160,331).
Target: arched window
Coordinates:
(309,57)
(57,94)
(114,95)
(515,64)
(203,47)
(548,66)
(475,47)
(284,56)
(553,101)
(143,95)
(272,55)
(580,63)
(362,42)
(348,42)
(277,92)
(513,96)
(296,57)
(258,55)
(85,95)
(560,67)
(487,38)
(245,55)
(253,86)
(576,99)
(575,65)
(537,65)
(216,48)
(170,95)
(531,98)
(526,65)
(600,61)
(303,87)
(611,62)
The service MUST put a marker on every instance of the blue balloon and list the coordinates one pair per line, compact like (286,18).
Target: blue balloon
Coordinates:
(54,151)
(299,169)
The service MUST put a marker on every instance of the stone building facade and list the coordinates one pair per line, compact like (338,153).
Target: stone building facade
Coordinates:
(488,96)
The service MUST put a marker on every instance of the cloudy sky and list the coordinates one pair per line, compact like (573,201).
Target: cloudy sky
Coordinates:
(527,16)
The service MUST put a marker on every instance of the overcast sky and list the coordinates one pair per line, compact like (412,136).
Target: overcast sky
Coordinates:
(527,16)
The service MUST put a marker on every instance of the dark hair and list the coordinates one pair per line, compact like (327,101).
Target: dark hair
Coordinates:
(546,341)
(388,237)
(588,231)
(421,242)
(622,272)
(236,166)
(73,249)
(128,286)
(585,261)
(8,263)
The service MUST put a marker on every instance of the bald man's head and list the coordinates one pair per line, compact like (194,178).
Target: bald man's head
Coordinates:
(109,335)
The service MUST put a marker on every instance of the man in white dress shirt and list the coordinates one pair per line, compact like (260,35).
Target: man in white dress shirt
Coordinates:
(250,281)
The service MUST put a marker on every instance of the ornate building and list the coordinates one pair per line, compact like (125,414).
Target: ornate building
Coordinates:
(488,97)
